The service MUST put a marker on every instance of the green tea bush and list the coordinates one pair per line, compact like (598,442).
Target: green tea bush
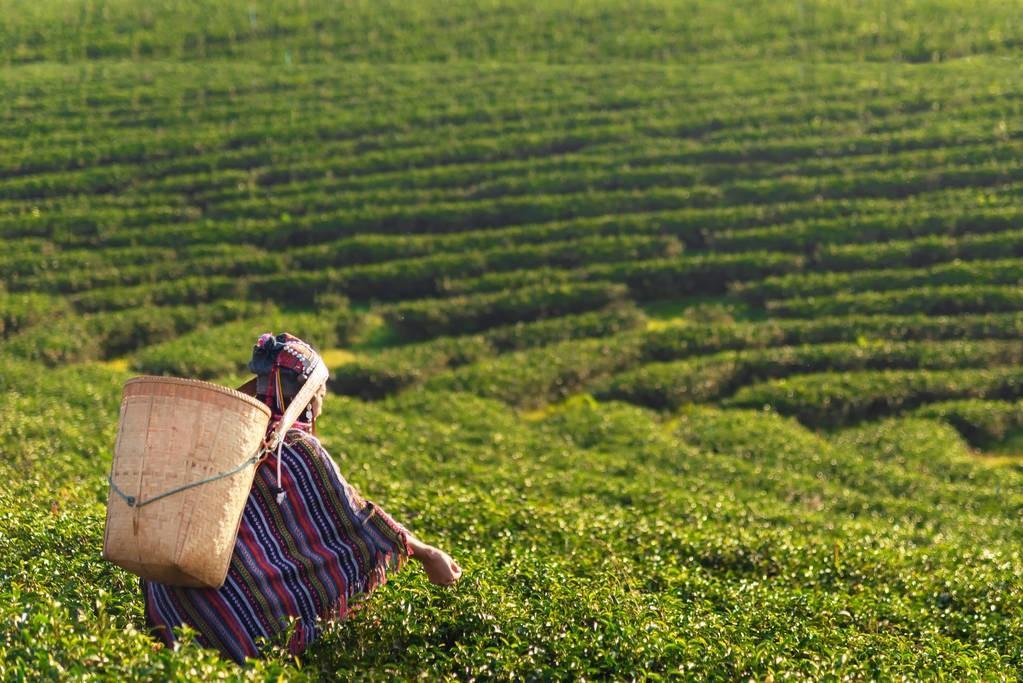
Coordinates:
(375,378)
(432,318)
(451,32)
(392,370)
(709,273)
(532,377)
(707,378)
(566,254)
(492,283)
(833,399)
(80,338)
(982,423)
(923,251)
(426,276)
(938,300)
(40,258)
(226,349)
(309,186)
(887,223)
(91,224)
(957,274)
(238,262)
(619,317)
(125,331)
(649,279)
(189,290)
(18,311)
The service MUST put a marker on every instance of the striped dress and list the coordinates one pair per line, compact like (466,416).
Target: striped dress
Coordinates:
(306,558)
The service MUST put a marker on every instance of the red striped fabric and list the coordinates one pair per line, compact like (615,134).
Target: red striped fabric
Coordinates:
(306,558)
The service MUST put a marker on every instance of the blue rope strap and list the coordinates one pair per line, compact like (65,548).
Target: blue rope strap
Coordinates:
(132,501)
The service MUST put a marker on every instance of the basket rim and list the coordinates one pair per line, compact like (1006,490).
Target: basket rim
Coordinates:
(185,381)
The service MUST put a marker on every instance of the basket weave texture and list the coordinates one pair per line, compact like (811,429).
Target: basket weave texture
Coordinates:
(174,432)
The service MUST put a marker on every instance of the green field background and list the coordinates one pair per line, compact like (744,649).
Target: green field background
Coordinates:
(556,32)
(691,329)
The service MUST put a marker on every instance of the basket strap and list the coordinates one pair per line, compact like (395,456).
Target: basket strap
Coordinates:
(317,378)
(134,502)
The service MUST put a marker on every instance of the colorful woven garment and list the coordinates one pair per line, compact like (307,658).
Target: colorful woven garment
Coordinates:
(307,557)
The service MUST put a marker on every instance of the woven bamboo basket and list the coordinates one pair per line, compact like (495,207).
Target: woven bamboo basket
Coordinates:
(183,466)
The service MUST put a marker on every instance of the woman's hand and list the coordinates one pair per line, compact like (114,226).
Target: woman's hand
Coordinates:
(440,568)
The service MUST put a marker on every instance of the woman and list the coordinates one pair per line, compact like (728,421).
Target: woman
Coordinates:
(308,543)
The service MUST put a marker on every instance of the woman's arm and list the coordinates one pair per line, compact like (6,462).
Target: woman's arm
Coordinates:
(437,564)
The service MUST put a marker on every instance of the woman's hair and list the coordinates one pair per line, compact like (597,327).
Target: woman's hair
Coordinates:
(290,385)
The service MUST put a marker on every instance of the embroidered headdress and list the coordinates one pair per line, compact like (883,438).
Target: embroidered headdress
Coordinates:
(282,365)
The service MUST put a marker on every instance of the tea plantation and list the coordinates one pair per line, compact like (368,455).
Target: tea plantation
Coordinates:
(693,330)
